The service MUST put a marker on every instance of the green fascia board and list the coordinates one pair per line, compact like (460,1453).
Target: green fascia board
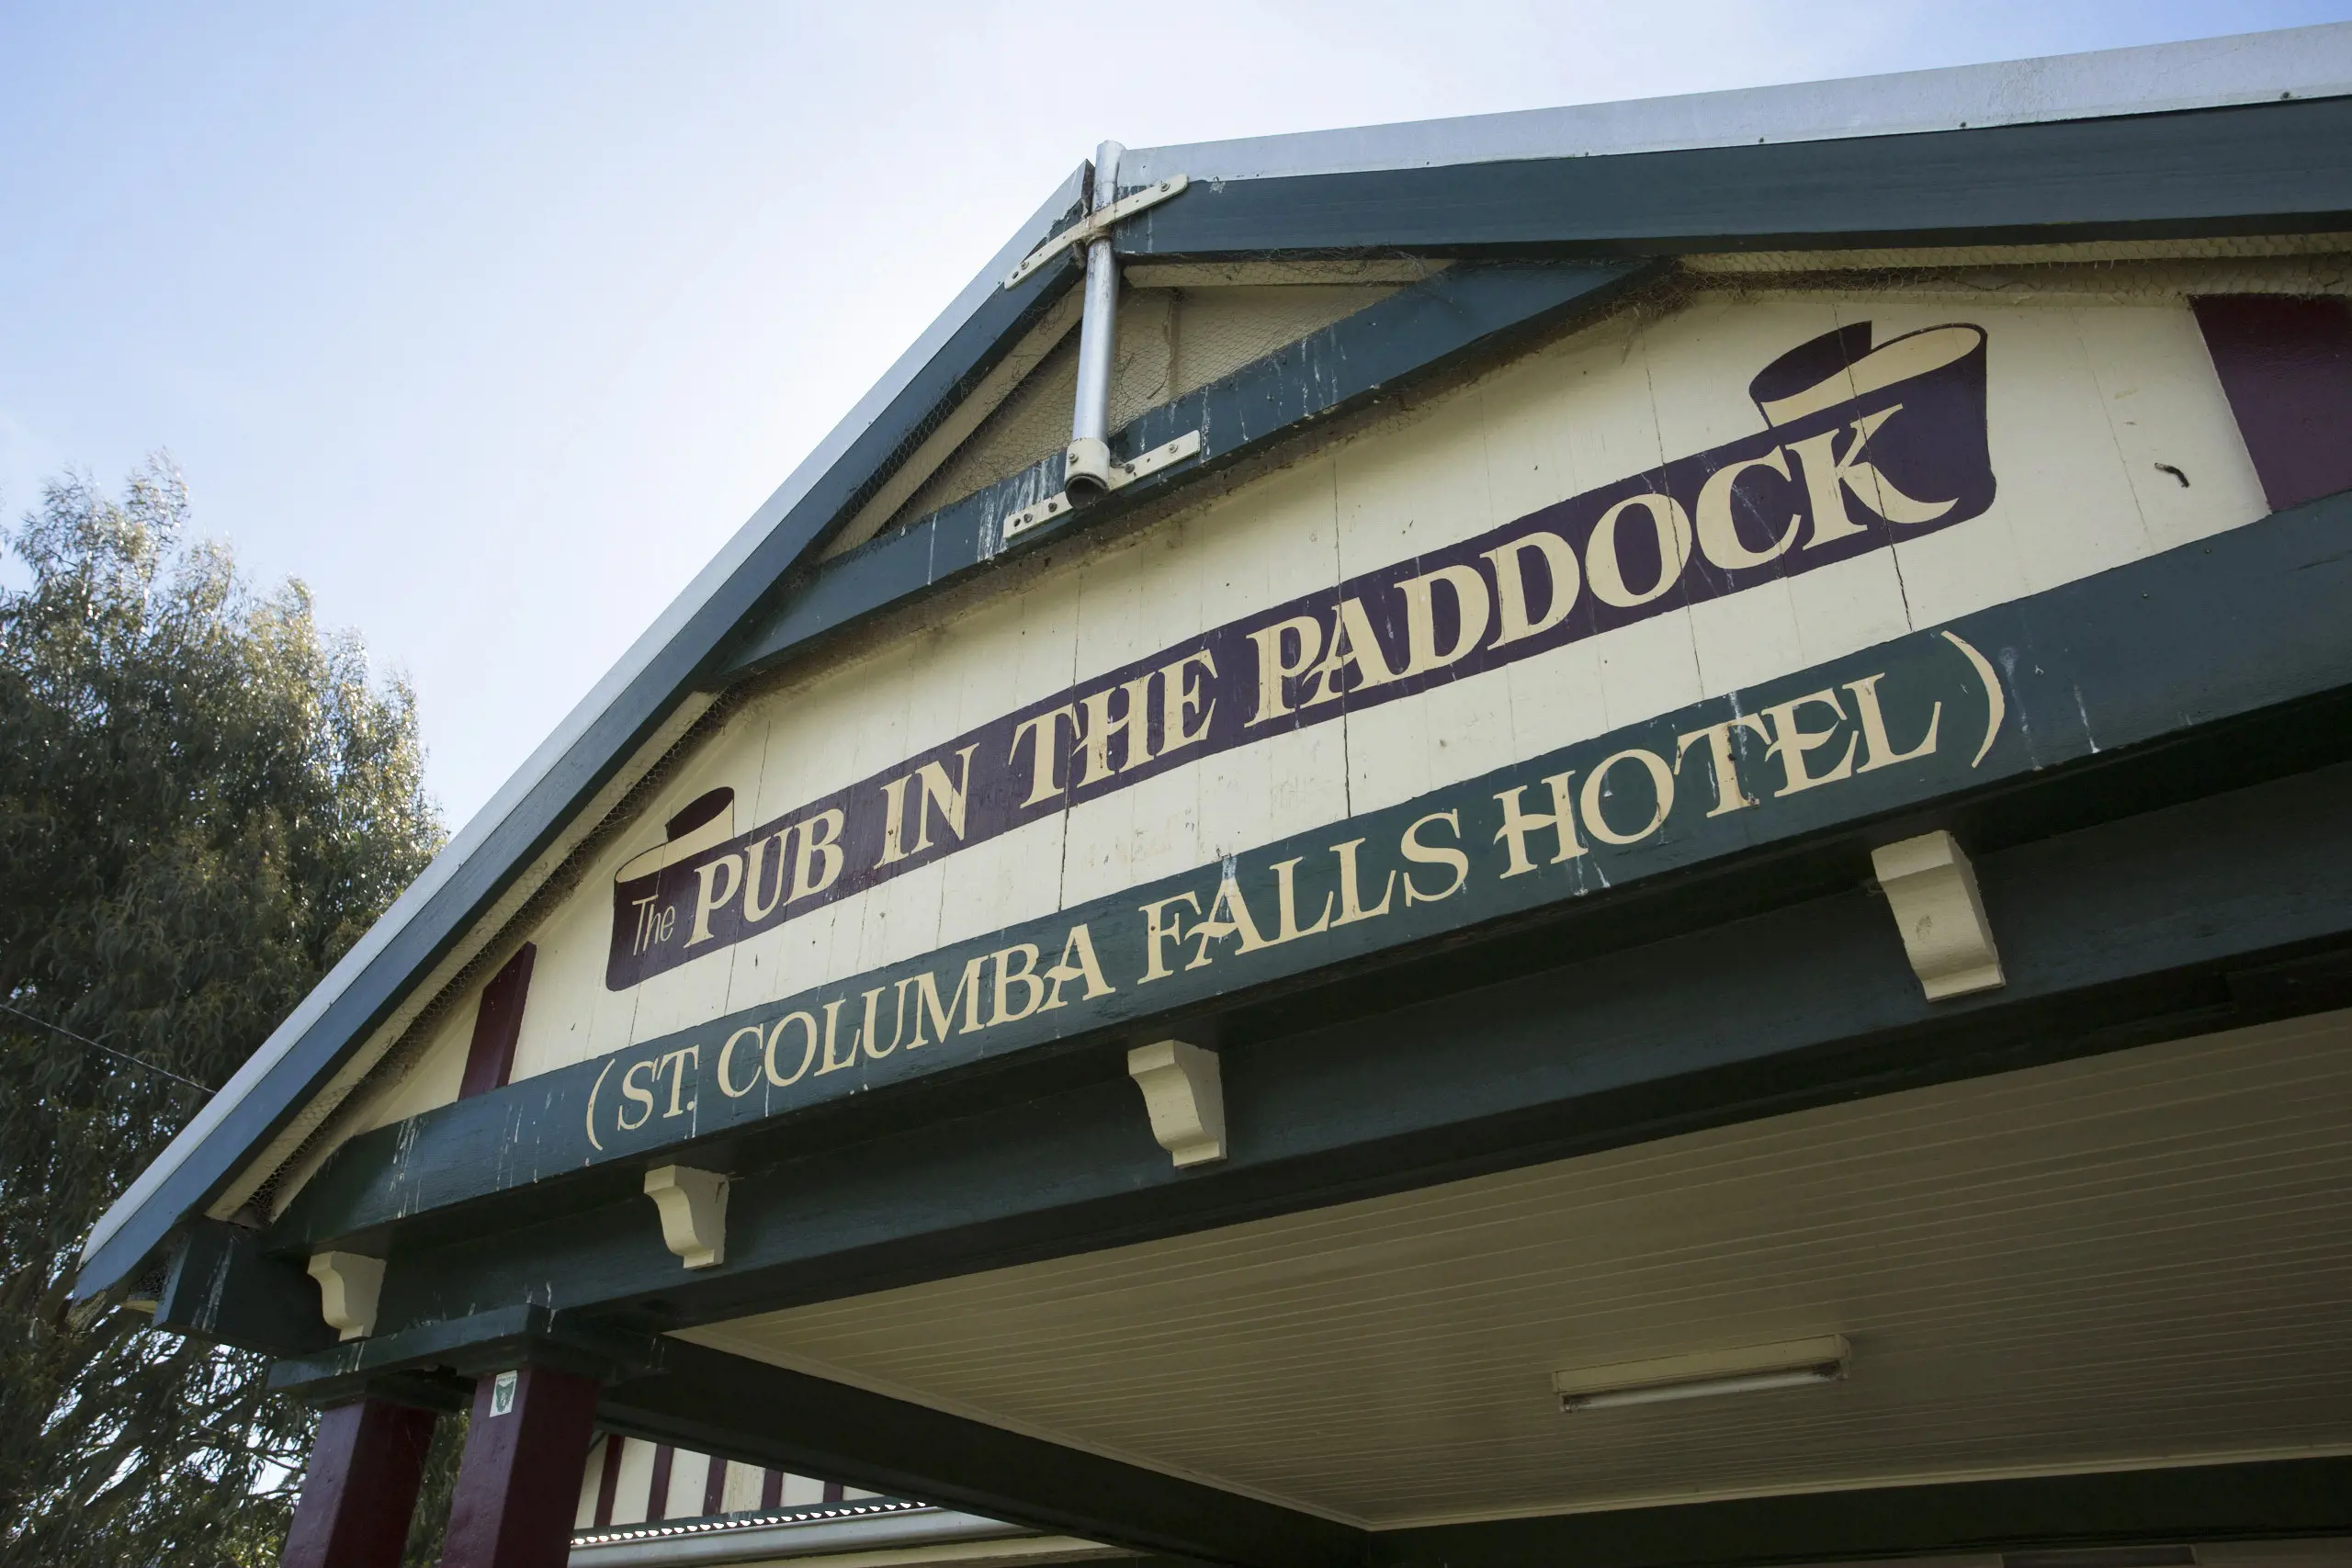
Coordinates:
(1419,331)
(2282,166)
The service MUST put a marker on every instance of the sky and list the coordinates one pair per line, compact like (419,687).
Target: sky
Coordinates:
(491,323)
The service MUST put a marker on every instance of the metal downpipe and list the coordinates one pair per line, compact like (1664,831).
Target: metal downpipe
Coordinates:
(1086,466)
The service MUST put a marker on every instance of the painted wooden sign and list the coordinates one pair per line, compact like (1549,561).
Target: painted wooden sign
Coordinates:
(1861,443)
(1927,712)
(1653,596)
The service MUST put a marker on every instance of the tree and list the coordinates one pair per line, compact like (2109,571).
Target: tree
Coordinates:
(204,802)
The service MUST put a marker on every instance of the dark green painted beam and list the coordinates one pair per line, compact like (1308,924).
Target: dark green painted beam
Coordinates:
(711,1402)
(2278,167)
(2195,898)
(465,1348)
(2213,914)
(670,1391)
(2277,1499)
(2097,669)
(223,1287)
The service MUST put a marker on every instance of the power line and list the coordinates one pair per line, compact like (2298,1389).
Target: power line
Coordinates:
(95,1045)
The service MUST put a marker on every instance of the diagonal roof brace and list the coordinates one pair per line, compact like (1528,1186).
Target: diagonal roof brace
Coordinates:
(1098,225)
(1115,476)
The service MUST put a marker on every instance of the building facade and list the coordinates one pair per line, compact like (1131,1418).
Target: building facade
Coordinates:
(1614,836)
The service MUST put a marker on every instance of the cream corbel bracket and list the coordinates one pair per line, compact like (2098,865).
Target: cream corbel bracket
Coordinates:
(1932,889)
(693,1211)
(349,1283)
(1185,1097)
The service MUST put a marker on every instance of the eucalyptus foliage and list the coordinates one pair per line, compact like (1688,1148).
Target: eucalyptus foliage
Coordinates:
(204,801)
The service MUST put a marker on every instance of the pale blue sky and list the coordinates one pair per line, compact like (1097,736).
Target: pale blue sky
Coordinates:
(490,321)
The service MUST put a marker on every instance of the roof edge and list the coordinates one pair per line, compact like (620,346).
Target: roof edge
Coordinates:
(2242,68)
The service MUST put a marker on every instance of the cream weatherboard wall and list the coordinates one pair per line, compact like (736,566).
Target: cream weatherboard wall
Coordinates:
(2110,441)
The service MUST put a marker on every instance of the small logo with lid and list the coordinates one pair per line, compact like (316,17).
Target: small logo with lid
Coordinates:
(706,820)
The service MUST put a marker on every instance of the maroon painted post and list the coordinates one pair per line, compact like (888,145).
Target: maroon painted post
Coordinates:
(360,1491)
(609,1481)
(518,1485)
(657,1492)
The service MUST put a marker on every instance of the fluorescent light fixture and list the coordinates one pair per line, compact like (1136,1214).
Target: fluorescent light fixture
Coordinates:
(1750,1369)
(1698,1388)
